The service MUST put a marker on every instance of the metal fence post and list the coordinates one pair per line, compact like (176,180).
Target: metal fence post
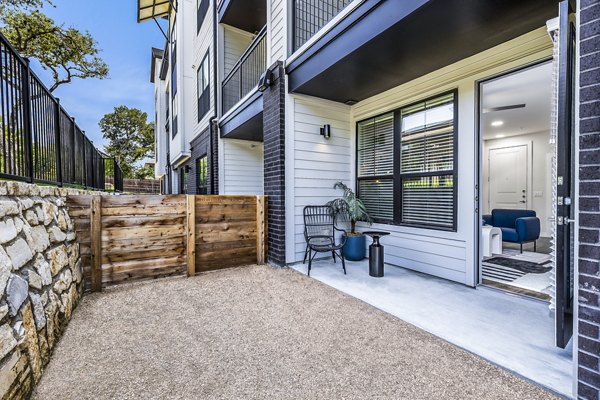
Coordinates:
(28,126)
(59,175)
(84,141)
(74,171)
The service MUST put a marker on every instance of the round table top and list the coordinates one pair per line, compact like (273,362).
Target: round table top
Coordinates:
(376,233)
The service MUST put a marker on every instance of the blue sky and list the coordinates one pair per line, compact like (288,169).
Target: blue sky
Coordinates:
(126,48)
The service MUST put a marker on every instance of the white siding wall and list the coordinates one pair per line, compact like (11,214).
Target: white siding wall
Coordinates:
(242,167)
(450,255)
(203,42)
(160,139)
(317,163)
(277,34)
(235,42)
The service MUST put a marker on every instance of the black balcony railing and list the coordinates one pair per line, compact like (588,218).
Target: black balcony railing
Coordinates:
(311,15)
(39,141)
(246,72)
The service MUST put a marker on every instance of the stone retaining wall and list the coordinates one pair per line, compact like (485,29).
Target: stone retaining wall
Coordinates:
(40,280)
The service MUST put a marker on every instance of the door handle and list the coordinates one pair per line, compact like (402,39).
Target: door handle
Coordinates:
(522,201)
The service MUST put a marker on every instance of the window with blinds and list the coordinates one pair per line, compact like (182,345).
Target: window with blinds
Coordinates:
(427,140)
(375,153)
(418,142)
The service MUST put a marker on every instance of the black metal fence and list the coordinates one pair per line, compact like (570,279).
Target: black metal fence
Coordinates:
(246,72)
(311,15)
(39,141)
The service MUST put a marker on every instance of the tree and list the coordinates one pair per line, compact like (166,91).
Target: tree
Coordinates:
(65,51)
(130,136)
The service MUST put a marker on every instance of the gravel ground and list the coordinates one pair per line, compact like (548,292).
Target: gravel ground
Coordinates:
(258,333)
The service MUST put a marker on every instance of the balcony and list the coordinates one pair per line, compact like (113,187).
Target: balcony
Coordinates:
(244,75)
(247,15)
(378,44)
(309,16)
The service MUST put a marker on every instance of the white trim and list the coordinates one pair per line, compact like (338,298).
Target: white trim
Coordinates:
(233,109)
(576,203)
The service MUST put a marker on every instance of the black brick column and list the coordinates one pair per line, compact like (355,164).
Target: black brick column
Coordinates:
(274,163)
(588,370)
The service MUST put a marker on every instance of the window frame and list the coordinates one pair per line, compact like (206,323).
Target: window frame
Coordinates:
(198,186)
(202,7)
(398,177)
(206,90)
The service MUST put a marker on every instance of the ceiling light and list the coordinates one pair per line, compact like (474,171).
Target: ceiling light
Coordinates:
(497,123)
(500,136)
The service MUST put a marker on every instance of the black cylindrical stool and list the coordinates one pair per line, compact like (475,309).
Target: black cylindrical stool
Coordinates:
(376,254)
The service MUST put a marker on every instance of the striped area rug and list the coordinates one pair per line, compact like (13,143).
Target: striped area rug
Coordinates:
(500,273)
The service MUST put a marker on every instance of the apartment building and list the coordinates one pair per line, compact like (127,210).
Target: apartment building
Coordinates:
(438,113)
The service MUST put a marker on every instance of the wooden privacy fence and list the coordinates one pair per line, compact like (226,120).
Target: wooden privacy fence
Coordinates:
(127,238)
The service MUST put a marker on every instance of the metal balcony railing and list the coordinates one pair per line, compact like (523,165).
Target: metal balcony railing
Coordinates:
(39,141)
(309,16)
(246,72)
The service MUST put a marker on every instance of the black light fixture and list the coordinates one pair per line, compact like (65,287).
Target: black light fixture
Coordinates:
(326,131)
(265,80)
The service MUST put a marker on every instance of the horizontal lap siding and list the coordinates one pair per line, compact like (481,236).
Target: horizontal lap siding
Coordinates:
(203,42)
(318,162)
(235,43)
(277,33)
(243,170)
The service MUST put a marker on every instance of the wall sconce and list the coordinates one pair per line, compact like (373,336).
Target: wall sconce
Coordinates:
(326,131)
(265,80)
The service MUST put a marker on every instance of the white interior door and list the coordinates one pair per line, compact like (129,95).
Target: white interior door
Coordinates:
(508,177)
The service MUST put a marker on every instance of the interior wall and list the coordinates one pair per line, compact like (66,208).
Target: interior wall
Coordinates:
(243,171)
(538,174)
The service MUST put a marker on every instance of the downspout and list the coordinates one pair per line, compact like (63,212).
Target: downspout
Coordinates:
(214,120)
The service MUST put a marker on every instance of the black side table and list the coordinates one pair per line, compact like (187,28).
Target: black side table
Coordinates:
(376,254)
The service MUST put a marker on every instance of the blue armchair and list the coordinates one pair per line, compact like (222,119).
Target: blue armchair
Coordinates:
(517,226)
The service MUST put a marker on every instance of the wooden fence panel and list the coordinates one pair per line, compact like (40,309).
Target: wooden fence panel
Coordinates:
(126,238)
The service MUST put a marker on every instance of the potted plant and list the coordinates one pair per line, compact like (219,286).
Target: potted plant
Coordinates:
(352,208)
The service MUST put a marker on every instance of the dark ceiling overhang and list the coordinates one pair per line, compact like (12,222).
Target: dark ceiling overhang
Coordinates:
(382,44)
(247,15)
(246,122)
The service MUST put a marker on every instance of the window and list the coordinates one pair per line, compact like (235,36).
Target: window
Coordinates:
(202,175)
(201,13)
(173,62)
(203,87)
(406,164)
(375,153)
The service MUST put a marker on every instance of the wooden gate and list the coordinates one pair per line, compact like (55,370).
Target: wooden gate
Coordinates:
(127,238)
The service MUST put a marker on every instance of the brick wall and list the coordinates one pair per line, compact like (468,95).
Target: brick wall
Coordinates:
(274,164)
(589,202)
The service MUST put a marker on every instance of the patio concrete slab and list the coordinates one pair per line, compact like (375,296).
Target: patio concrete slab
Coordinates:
(513,332)
(258,333)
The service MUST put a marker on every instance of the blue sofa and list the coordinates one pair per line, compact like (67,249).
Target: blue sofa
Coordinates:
(517,226)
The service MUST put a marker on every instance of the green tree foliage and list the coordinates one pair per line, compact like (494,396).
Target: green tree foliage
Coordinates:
(65,51)
(130,136)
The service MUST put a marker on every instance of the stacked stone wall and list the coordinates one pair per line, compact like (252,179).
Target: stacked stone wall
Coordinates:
(40,280)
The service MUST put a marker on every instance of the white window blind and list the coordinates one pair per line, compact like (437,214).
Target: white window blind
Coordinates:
(375,152)
(427,162)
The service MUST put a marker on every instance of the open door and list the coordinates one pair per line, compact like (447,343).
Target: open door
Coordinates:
(565,210)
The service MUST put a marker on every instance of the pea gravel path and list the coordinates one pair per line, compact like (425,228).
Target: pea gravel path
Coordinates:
(258,333)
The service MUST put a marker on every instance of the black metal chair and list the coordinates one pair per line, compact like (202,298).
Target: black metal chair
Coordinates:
(319,232)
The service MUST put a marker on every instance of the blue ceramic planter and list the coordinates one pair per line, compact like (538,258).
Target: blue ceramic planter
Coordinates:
(355,248)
